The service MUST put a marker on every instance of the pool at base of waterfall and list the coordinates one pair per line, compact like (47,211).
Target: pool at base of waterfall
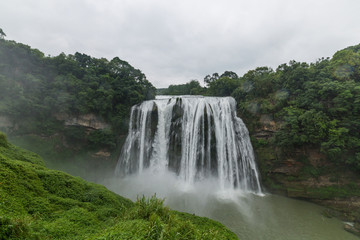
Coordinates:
(250,216)
(196,153)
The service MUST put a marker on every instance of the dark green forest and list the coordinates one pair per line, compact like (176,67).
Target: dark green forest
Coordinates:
(316,104)
(34,88)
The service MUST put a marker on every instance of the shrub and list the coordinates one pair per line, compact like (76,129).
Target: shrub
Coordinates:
(146,207)
(3,140)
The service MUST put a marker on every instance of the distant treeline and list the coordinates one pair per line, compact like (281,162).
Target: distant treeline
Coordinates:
(315,104)
(34,88)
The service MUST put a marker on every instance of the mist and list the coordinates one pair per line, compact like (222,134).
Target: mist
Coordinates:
(250,216)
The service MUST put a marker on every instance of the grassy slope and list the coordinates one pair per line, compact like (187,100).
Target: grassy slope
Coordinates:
(38,203)
(56,155)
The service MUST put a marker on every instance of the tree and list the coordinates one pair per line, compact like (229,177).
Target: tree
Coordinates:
(209,79)
(229,74)
(191,88)
(223,86)
(346,64)
(2,34)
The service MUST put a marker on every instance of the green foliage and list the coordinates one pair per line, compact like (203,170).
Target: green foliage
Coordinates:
(331,192)
(223,86)
(16,228)
(3,140)
(303,127)
(258,143)
(102,138)
(34,89)
(146,207)
(38,203)
(315,104)
(256,83)
(75,134)
(2,34)
(310,171)
(13,152)
(191,88)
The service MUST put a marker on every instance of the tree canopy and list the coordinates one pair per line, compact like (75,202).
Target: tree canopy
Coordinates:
(317,104)
(34,88)
(2,34)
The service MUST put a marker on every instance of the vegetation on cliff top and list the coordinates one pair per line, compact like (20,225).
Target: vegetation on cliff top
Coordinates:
(315,104)
(38,203)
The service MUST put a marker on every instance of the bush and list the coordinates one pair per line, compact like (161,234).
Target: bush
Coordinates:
(146,207)
(102,138)
(15,228)
(3,140)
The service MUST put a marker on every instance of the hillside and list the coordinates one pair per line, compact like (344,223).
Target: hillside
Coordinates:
(38,203)
(72,109)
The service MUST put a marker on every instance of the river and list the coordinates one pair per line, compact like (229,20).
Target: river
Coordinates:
(250,216)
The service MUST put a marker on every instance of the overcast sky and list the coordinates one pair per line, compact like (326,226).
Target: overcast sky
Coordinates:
(174,41)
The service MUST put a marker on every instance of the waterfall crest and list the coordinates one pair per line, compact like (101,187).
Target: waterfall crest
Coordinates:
(193,136)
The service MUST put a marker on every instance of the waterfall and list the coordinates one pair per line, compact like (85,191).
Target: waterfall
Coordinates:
(193,136)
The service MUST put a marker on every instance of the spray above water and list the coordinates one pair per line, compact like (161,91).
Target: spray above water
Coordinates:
(196,138)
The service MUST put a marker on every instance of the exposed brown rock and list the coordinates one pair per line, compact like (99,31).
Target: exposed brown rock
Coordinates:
(102,153)
(352,229)
(288,167)
(86,120)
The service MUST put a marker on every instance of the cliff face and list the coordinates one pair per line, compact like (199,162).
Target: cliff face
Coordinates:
(86,120)
(306,173)
(6,123)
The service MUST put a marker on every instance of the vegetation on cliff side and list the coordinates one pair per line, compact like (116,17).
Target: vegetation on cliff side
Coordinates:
(39,203)
(35,88)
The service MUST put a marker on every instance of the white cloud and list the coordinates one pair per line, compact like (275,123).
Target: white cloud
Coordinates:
(174,41)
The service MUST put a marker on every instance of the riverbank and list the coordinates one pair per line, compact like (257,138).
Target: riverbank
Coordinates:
(306,174)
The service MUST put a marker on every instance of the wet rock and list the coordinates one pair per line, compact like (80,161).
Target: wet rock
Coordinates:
(102,153)
(352,228)
(288,167)
(175,142)
(86,120)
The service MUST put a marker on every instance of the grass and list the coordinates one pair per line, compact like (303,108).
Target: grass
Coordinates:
(39,203)
(331,192)
(57,155)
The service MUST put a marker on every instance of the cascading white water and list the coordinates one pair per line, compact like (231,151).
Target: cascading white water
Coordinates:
(195,137)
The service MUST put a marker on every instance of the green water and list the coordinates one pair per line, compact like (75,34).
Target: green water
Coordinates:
(250,216)
(268,218)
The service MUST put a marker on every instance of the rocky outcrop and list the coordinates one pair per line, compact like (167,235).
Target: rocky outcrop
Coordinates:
(86,120)
(102,153)
(353,228)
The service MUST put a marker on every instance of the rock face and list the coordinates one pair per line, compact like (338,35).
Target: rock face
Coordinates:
(354,229)
(86,120)
(306,173)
